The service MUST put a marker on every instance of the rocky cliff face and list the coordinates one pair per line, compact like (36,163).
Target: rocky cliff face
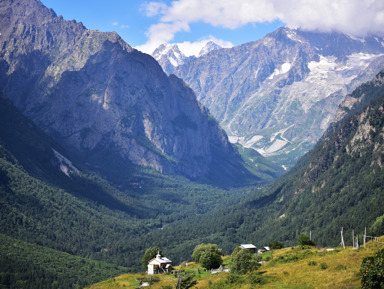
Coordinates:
(97,95)
(279,94)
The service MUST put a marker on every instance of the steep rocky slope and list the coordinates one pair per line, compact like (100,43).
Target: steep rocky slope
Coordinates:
(279,94)
(340,183)
(103,99)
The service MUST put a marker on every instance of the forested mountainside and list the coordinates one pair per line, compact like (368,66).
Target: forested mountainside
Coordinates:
(340,183)
(106,102)
(47,199)
(24,265)
(279,94)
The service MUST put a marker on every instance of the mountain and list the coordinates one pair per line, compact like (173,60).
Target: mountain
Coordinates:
(33,266)
(47,199)
(170,56)
(338,184)
(279,94)
(105,102)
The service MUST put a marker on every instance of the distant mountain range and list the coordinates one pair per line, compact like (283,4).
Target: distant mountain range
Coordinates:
(170,56)
(338,184)
(279,94)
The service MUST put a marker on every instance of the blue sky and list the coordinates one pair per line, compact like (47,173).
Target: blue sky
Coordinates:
(147,24)
(128,18)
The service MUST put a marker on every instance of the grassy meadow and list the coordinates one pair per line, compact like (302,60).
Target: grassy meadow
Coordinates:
(293,267)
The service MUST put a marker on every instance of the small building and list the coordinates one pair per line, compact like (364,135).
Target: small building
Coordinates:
(159,265)
(264,249)
(248,247)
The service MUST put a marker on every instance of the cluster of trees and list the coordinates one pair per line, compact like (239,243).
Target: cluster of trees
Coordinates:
(208,256)
(24,265)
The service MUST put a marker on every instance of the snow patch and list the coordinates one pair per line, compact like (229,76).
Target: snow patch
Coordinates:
(252,141)
(291,34)
(173,62)
(283,69)
(66,165)
(235,139)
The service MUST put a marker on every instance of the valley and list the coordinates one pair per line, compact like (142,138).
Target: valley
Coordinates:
(105,152)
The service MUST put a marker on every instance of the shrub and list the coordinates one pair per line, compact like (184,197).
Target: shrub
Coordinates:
(312,263)
(372,271)
(244,261)
(323,266)
(304,240)
(275,244)
(200,249)
(210,260)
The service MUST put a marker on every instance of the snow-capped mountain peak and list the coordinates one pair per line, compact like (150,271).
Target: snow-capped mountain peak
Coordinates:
(172,55)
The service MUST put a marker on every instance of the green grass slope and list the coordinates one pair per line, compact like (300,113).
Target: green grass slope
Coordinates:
(292,267)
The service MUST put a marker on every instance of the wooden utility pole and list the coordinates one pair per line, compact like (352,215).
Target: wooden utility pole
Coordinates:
(365,235)
(353,238)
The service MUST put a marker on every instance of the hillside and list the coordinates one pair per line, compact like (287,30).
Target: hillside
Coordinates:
(111,106)
(49,200)
(279,94)
(24,265)
(292,267)
(338,184)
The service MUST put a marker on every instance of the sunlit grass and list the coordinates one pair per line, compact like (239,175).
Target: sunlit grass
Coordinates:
(295,267)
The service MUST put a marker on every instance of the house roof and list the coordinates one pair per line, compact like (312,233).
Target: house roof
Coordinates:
(159,260)
(248,246)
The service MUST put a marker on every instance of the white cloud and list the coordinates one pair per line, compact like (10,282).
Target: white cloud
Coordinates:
(162,33)
(155,8)
(356,17)
(115,23)
(194,48)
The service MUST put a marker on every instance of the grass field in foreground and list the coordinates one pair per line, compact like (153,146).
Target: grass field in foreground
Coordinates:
(295,267)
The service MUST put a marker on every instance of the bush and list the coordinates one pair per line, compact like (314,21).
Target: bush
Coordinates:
(323,266)
(210,260)
(372,271)
(244,261)
(312,263)
(304,240)
(200,249)
(275,245)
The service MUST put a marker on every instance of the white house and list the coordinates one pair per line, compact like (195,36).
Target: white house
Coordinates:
(248,247)
(159,265)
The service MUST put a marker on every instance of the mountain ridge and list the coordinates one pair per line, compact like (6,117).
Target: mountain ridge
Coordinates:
(98,96)
(278,94)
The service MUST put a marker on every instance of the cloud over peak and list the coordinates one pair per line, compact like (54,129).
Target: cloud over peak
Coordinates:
(355,17)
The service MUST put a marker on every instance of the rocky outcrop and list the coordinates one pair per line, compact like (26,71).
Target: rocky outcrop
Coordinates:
(94,93)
